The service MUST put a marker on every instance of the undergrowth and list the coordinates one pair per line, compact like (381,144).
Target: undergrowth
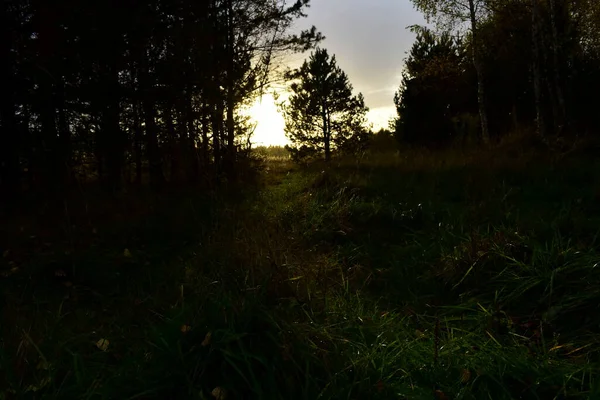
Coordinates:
(446,276)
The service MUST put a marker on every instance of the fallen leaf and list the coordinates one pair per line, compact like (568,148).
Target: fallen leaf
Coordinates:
(43,365)
(218,393)
(440,395)
(465,376)
(68,284)
(206,340)
(102,344)
(96,384)
(185,328)
(126,253)
(35,388)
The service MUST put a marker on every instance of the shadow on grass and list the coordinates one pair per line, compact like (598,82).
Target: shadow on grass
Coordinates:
(384,278)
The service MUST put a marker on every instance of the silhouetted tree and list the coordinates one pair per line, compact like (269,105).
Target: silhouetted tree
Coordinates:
(322,114)
(434,90)
(457,11)
(124,90)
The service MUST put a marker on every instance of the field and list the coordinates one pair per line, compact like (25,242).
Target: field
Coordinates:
(410,275)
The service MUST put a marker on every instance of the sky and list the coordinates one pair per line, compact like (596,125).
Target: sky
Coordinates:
(370,40)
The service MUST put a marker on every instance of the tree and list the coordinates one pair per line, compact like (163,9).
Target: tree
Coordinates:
(120,90)
(435,90)
(322,114)
(457,11)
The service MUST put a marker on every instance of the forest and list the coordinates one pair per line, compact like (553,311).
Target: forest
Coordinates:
(150,250)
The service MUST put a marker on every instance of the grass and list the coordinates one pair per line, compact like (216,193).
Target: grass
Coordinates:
(413,275)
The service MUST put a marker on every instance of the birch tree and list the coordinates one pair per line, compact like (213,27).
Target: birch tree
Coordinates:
(455,12)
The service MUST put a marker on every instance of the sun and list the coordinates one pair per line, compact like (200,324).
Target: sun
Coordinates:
(269,122)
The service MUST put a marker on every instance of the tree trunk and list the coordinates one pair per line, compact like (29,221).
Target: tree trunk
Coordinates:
(64,139)
(515,117)
(217,122)
(205,130)
(172,141)
(230,91)
(537,70)
(326,133)
(46,107)
(481,95)
(154,160)
(114,140)
(560,118)
(137,142)
(192,139)
(9,155)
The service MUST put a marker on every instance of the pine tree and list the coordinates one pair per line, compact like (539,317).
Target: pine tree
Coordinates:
(322,115)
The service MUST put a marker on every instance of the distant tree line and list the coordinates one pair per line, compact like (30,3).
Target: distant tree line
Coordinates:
(515,65)
(128,91)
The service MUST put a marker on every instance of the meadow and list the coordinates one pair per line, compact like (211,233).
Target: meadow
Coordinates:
(405,274)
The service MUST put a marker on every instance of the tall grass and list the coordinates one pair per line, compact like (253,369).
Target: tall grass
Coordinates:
(417,276)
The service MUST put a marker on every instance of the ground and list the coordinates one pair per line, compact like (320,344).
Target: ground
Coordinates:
(414,275)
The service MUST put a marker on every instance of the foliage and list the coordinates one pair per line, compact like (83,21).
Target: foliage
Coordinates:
(434,90)
(133,92)
(569,73)
(447,14)
(322,114)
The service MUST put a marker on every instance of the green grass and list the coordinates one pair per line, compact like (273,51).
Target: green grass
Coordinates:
(412,275)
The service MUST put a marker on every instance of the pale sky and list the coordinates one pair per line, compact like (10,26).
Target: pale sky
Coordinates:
(370,41)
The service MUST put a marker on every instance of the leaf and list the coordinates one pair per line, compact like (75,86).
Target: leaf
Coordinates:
(35,388)
(43,365)
(127,253)
(218,393)
(185,328)
(102,344)
(207,339)
(440,395)
(465,376)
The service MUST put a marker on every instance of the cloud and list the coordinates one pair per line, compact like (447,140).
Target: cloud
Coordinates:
(370,41)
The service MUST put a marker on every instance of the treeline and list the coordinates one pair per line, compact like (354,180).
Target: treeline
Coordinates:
(524,65)
(129,91)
